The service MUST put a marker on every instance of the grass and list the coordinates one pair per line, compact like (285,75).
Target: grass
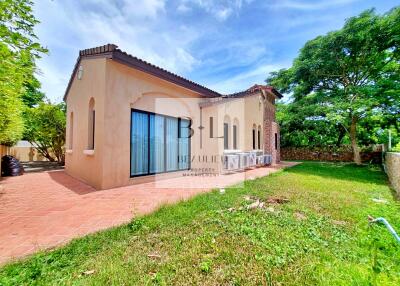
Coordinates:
(320,237)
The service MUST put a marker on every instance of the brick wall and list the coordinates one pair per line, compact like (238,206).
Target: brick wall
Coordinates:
(392,162)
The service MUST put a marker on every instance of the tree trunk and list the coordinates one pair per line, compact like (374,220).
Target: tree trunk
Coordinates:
(353,138)
(342,133)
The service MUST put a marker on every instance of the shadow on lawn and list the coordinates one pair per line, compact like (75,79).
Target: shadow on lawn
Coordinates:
(342,171)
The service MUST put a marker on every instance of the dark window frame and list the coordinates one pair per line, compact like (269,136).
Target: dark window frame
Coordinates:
(276,141)
(211,127)
(234,136)
(148,142)
(226,136)
(254,139)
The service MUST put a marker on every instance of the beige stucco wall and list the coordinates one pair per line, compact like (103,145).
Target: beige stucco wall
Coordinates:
(87,168)
(117,89)
(243,112)
(126,89)
(393,169)
(25,154)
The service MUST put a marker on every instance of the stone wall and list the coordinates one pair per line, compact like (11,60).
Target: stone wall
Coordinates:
(392,162)
(326,154)
(270,128)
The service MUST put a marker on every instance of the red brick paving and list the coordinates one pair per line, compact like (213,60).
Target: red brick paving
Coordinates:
(43,210)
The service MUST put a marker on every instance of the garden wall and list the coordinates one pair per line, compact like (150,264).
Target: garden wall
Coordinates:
(328,154)
(392,162)
(23,151)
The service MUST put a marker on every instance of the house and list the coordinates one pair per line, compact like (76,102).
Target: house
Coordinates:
(129,122)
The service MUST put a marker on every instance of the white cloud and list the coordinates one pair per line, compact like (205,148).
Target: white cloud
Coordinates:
(221,10)
(309,6)
(223,14)
(148,8)
(54,80)
(246,79)
(137,27)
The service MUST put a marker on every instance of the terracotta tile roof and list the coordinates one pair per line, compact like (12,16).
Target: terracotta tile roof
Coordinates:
(111,51)
(256,88)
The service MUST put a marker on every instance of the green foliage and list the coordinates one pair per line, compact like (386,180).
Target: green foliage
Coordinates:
(351,75)
(32,95)
(396,148)
(18,51)
(211,240)
(45,128)
(303,124)
(205,266)
(11,81)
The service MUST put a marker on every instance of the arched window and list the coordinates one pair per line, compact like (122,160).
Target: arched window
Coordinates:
(254,136)
(235,130)
(71,131)
(91,124)
(227,123)
(259,138)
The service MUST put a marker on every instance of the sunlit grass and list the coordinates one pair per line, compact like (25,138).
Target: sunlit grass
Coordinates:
(320,237)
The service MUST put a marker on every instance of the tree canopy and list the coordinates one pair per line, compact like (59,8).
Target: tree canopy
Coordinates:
(45,129)
(19,48)
(347,80)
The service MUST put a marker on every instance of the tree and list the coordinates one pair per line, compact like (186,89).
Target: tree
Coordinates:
(45,129)
(352,72)
(18,52)
(303,124)
(32,95)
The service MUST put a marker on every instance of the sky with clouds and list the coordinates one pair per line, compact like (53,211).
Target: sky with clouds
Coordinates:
(226,45)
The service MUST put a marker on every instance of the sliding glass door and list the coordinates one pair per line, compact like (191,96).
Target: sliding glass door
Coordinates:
(184,144)
(139,144)
(159,143)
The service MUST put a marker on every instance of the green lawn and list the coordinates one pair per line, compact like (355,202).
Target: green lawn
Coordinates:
(320,237)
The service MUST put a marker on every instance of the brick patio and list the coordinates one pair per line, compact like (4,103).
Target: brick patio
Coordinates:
(43,210)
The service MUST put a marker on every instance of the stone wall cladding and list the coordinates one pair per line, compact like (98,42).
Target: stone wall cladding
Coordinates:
(392,161)
(275,152)
(269,132)
(296,153)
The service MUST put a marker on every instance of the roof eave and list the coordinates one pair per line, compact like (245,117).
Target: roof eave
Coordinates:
(140,65)
(276,93)
(125,59)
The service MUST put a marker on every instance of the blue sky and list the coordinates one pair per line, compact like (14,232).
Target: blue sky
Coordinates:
(226,45)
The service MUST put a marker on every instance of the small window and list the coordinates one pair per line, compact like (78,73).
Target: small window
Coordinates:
(276,141)
(71,131)
(259,140)
(254,138)
(91,125)
(226,139)
(234,137)
(211,127)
